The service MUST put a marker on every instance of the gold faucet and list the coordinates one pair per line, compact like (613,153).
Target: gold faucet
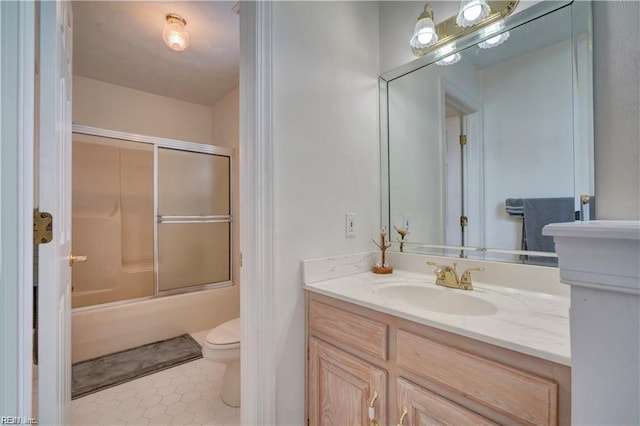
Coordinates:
(448,277)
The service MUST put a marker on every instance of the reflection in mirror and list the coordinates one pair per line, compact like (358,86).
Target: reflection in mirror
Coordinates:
(485,149)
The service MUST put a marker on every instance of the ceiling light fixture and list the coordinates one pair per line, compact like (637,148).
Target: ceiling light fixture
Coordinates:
(174,34)
(424,33)
(471,12)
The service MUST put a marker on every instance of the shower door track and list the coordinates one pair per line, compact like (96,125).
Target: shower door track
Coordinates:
(180,145)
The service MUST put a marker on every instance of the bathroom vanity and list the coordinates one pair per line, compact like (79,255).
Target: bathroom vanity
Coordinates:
(380,345)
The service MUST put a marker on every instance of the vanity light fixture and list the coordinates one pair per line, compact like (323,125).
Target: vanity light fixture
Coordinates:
(424,33)
(175,34)
(471,12)
(427,38)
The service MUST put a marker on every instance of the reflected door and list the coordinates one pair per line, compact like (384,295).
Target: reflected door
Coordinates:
(193,232)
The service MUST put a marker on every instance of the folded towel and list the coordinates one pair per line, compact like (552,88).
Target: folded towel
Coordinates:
(514,206)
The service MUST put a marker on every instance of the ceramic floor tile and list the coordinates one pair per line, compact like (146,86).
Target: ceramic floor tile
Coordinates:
(189,394)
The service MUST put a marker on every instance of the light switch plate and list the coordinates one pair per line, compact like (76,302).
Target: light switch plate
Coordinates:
(349,225)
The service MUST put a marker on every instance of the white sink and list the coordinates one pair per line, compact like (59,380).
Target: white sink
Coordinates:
(447,300)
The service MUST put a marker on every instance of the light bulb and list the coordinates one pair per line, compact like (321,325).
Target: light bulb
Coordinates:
(471,13)
(425,36)
(174,34)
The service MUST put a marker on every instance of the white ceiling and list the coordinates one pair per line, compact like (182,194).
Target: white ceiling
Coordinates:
(120,42)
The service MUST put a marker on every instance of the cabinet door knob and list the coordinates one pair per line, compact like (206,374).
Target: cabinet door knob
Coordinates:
(403,415)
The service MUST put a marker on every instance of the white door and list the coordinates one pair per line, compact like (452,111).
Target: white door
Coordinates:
(54,276)
(453,167)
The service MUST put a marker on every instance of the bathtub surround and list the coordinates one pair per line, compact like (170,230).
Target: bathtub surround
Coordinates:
(599,259)
(97,332)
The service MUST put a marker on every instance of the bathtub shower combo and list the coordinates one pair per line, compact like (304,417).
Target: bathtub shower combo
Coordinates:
(152,215)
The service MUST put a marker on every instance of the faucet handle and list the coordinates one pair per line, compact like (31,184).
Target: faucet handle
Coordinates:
(439,272)
(465,280)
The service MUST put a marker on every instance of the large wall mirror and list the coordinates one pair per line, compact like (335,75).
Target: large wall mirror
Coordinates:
(482,150)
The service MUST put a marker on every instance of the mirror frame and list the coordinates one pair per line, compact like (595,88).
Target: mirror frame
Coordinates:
(510,22)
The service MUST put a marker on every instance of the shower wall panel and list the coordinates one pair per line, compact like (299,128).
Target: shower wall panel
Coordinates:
(112,220)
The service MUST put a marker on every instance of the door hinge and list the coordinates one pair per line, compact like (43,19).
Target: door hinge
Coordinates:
(42,227)
(464,221)
(241,260)
(308,421)
(308,357)
(463,140)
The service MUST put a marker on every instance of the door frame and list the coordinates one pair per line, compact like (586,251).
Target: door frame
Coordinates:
(258,351)
(17,115)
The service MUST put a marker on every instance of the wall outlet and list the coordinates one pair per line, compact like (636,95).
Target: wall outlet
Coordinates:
(406,221)
(349,225)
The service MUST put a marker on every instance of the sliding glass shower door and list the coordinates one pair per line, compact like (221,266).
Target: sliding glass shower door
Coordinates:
(193,225)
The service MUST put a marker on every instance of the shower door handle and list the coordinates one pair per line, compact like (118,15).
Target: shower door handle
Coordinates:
(77,259)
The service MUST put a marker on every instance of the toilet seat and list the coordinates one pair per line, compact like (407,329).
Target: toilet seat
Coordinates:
(225,336)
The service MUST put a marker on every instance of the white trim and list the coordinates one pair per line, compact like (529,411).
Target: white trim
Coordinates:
(258,351)
(160,142)
(17,62)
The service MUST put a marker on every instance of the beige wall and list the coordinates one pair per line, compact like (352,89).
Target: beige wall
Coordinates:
(225,120)
(225,131)
(100,104)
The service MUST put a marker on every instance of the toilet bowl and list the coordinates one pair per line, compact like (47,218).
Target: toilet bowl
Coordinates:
(222,345)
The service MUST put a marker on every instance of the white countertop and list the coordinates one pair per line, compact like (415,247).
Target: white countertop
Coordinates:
(522,320)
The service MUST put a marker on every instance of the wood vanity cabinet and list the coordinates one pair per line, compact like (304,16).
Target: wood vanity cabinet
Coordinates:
(440,377)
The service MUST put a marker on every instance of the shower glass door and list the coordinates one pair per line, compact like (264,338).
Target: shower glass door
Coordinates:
(193,219)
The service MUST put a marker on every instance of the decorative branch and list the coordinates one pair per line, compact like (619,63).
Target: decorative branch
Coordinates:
(403,233)
(383,267)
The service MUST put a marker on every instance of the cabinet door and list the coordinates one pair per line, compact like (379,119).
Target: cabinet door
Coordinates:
(427,408)
(341,387)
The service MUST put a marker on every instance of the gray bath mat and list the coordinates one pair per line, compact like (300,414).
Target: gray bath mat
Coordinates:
(110,370)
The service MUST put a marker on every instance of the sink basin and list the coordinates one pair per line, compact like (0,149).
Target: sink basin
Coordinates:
(437,299)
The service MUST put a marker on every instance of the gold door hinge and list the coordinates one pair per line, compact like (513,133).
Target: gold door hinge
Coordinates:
(464,221)
(241,260)
(42,227)
(463,140)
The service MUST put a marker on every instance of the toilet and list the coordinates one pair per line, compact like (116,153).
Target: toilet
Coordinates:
(222,345)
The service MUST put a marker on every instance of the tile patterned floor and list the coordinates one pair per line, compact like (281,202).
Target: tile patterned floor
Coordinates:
(188,394)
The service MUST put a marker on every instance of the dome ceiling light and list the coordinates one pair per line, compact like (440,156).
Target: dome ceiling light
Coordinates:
(175,34)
